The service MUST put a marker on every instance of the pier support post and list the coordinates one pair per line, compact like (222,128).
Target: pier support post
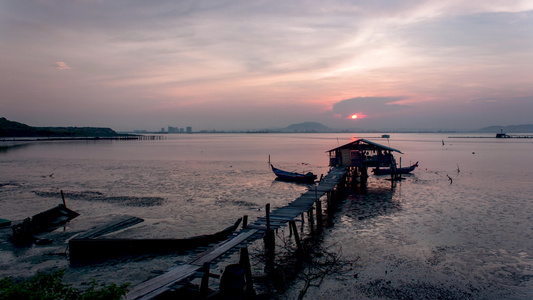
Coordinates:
(310,214)
(364,174)
(319,215)
(329,201)
(267,209)
(244,221)
(245,262)
(270,242)
(292,225)
(205,281)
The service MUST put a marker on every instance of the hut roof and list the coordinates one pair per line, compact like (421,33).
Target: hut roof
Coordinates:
(362,144)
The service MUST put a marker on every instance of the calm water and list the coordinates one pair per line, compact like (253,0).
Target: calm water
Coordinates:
(423,237)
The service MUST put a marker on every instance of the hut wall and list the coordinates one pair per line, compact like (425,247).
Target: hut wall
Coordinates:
(346,159)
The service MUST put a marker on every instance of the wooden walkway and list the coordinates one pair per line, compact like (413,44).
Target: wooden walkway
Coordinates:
(279,217)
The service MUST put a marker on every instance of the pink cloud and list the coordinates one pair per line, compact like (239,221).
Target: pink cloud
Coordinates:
(61,65)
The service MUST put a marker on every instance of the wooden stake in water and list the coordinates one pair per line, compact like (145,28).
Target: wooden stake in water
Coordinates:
(63,197)
(268,216)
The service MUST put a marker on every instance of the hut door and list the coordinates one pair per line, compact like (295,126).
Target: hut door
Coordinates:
(355,158)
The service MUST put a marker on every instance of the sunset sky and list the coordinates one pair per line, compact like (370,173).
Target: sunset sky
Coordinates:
(232,65)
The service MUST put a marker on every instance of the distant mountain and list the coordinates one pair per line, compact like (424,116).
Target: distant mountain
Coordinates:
(525,128)
(16,129)
(307,127)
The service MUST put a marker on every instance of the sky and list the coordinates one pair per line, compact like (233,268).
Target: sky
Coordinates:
(246,65)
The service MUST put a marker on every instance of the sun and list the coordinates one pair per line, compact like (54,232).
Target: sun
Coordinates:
(356,116)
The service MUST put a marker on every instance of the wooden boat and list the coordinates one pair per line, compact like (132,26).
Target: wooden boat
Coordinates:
(293,176)
(388,171)
(86,250)
(4,223)
(49,220)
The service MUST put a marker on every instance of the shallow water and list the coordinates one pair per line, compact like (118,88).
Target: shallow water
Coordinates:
(430,238)
(426,237)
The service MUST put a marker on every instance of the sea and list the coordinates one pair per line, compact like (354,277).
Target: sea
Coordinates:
(459,227)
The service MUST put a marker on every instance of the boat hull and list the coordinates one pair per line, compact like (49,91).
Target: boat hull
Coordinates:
(293,176)
(405,170)
(87,250)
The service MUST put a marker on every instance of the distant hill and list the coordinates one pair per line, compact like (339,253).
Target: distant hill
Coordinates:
(307,127)
(525,128)
(16,129)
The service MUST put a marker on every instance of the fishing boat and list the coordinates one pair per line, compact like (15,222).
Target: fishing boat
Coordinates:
(4,223)
(46,221)
(388,171)
(293,176)
(87,250)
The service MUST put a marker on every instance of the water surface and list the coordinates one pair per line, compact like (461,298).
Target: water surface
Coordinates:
(468,237)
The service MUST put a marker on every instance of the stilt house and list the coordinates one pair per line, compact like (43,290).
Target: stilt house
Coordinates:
(362,154)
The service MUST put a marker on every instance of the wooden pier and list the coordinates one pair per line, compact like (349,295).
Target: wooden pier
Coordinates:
(88,138)
(250,232)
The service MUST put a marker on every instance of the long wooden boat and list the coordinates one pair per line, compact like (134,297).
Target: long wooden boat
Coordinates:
(98,249)
(293,176)
(388,171)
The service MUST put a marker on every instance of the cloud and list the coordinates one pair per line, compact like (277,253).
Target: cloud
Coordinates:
(292,59)
(369,106)
(62,66)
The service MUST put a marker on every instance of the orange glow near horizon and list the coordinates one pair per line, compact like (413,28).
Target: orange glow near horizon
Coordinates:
(356,116)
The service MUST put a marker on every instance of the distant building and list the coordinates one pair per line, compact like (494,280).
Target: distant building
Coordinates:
(189,129)
(182,130)
(162,129)
(172,129)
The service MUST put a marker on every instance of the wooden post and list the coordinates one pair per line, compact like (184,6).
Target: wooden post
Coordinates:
(63,197)
(270,242)
(364,174)
(292,224)
(319,215)
(205,281)
(268,216)
(311,220)
(244,221)
(330,204)
(290,229)
(245,262)
(400,174)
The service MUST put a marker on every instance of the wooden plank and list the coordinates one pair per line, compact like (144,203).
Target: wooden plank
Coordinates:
(222,247)
(276,224)
(286,216)
(157,285)
(282,217)
(274,221)
(285,212)
(301,204)
(117,224)
(263,226)
(257,226)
